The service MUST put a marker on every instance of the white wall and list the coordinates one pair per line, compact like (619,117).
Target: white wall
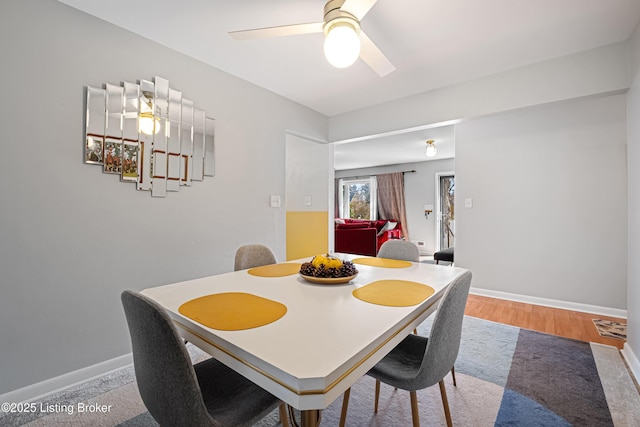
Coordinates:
(632,347)
(596,71)
(72,238)
(309,171)
(549,215)
(419,190)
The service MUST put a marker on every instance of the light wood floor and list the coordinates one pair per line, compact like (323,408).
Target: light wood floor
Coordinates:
(565,323)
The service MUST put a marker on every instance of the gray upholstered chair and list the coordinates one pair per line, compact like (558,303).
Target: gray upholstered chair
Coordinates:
(250,256)
(399,249)
(178,393)
(418,362)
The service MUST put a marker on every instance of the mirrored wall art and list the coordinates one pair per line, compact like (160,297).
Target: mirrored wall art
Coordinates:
(147,133)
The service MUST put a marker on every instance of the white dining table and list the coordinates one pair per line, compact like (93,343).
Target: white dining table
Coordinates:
(325,342)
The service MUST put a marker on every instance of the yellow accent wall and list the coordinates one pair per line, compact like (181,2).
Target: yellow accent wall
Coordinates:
(307,234)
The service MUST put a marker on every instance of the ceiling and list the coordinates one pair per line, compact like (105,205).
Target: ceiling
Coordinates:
(407,147)
(432,43)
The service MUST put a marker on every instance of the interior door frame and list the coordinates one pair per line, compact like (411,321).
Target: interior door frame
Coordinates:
(438,207)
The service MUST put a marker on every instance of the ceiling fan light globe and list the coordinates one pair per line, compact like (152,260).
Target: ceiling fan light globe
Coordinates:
(148,124)
(342,46)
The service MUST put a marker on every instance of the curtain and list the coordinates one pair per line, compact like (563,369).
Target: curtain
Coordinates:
(391,199)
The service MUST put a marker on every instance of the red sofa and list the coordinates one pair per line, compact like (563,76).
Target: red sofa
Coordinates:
(364,237)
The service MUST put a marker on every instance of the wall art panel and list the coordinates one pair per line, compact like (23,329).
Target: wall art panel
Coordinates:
(209,147)
(149,134)
(94,125)
(130,137)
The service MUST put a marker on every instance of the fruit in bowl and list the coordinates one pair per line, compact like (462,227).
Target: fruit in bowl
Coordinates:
(327,266)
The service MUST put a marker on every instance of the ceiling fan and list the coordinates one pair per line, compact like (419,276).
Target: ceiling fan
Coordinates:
(344,40)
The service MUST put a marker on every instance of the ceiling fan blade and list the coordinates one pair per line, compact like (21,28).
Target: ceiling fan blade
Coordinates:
(286,30)
(374,57)
(358,8)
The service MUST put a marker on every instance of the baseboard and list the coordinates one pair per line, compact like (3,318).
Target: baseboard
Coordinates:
(632,361)
(566,305)
(45,388)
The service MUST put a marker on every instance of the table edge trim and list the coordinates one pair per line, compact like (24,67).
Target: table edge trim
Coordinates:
(316,391)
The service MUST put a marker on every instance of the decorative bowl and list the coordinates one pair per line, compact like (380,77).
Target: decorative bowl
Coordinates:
(328,269)
(328,280)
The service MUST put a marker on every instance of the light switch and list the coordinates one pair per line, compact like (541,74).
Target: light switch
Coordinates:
(468,202)
(275,201)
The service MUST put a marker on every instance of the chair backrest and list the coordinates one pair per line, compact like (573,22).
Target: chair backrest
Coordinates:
(399,249)
(166,379)
(249,256)
(444,339)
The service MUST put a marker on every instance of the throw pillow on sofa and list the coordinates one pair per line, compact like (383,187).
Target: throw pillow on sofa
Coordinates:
(390,225)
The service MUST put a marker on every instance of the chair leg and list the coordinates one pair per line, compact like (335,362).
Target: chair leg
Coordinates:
(375,406)
(415,415)
(345,406)
(445,403)
(453,375)
(284,418)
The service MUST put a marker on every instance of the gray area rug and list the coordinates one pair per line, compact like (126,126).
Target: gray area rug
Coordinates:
(506,376)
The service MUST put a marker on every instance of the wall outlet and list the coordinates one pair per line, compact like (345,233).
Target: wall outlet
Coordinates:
(275,201)
(422,246)
(307,200)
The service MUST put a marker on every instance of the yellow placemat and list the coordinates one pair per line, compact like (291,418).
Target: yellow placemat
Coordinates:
(394,293)
(233,311)
(276,270)
(382,262)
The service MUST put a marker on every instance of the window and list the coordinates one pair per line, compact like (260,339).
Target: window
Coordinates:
(445,222)
(357,198)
